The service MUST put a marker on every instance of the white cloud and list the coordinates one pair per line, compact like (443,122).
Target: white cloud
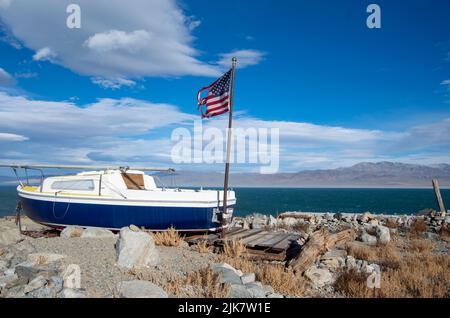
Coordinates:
(11,137)
(138,132)
(5,78)
(4,4)
(245,58)
(26,75)
(153,38)
(194,24)
(44,54)
(446,82)
(115,40)
(113,83)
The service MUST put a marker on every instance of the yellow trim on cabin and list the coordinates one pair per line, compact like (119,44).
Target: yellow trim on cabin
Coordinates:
(36,189)
(82,194)
(30,188)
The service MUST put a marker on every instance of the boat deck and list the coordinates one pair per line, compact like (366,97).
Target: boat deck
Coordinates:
(259,243)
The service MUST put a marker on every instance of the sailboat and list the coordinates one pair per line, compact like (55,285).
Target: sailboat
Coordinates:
(114,197)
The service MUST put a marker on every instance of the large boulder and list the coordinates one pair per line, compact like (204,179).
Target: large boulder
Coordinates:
(365,217)
(333,259)
(92,232)
(319,277)
(44,258)
(239,291)
(27,271)
(36,283)
(71,231)
(9,234)
(228,273)
(72,276)
(140,289)
(136,249)
(248,278)
(73,293)
(7,280)
(53,286)
(258,221)
(367,238)
(383,234)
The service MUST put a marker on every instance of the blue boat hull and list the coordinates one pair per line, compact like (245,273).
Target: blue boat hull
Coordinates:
(59,214)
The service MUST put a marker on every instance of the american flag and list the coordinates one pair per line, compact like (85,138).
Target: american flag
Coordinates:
(217,99)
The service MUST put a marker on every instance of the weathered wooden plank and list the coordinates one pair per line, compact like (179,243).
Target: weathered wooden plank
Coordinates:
(262,254)
(230,235)
(243,235)
(234,230)
(267,240)
(284,242)
(276,239)
(258,239)
(317,244)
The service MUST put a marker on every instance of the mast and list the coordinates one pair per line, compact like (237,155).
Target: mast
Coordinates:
(227,163)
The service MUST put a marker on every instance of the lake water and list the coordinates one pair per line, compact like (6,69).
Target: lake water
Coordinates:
(277,200)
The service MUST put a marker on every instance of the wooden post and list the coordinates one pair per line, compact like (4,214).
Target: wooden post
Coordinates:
(227,163)
(439,200)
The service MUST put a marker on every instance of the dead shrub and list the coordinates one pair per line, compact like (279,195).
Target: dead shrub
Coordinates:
(418,273)
(384,255)
(202,247)
(210,284)
(418,227)
(353,284)
(360,251)
(390,223)
(421,246)
(170,237)
(203,283)
(234,248)
(444,233)
(282,280)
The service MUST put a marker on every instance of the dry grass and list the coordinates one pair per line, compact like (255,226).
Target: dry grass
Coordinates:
(418,227)
(444,233)
(417,273)
(234,248)
(171,237)
(421,246)
(200,284)
(282,280)
(390,223)
(353,284)
(386,255)
(2,251)
(202,247)
(210,284)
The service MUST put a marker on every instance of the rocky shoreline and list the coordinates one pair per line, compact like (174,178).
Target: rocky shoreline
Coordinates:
(79,263)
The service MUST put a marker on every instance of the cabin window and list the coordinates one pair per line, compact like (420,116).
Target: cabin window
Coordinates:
(83,185)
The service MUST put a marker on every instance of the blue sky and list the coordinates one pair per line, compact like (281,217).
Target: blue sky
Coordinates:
(339,92)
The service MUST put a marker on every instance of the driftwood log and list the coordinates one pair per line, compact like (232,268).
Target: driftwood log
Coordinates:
(318,243)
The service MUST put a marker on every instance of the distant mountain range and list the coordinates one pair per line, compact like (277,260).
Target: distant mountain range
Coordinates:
(365,174)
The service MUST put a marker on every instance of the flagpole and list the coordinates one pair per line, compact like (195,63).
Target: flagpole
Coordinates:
(227,163)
